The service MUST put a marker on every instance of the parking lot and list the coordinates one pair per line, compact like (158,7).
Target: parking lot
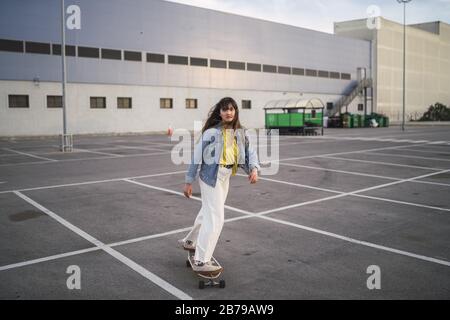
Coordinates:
(339,204)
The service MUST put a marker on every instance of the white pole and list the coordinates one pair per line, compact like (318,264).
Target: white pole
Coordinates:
(63,59)
(404,64)
(404,60)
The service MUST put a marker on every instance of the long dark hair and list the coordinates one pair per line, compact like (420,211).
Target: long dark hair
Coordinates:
(214,114)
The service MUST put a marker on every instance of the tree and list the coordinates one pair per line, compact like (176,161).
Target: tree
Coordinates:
(438,112)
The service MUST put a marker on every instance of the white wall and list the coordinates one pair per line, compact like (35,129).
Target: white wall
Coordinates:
(145,115)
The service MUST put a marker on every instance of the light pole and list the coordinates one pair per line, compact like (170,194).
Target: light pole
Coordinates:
(63,79)
(404,59)
(66,139)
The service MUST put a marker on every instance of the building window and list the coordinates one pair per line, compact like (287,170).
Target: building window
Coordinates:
(253,67)
(218,64)
(191,104)
(88,52)
(132,55)
(200,62)
(346,76)
(11,45)
(18,101)
(324,74)
(98,102)
(235,65)
(111,54)
(269,68)
(284,70)
(311,73)
(329,105)
(335,75)
(360,107)
(70,50)
(156,58)
(37,47)
(54,101)
(124,103)
(298,71)
(166,103)
(178,60)
(246,104)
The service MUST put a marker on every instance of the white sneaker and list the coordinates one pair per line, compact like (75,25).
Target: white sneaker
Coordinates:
(206,268)
(187,245)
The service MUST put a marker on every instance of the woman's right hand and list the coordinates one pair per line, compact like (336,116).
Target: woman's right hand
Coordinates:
(187,190)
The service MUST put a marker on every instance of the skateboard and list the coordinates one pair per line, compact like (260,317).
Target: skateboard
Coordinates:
(211,277)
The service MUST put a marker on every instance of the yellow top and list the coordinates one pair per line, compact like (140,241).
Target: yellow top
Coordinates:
(230,150)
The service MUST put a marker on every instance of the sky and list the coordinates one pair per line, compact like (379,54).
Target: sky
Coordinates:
(321,14)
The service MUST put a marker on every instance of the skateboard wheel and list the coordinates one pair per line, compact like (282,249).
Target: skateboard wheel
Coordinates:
(188,264)
(201,284)
(222,284)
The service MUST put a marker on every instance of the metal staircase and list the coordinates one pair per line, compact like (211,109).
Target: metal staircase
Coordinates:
(347,99)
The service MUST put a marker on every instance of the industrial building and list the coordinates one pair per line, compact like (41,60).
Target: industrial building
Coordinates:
(142,65)
(427,64)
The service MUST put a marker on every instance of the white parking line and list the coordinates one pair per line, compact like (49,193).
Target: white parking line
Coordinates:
(8,155)
(48,258)
(338,171)
(358,191)
(167,152)
(382,139)
(301,143)
(428,151)
(142,148)
(295,184)
(128,262)
(86,159)
(361,174)
(29,155)
(263,214)
(246,216)
(406,156)
(93,182)
(338,153)
(351,194)
(401,202)
(155,143)
(432,183)
(98,152)
(383,163)
(356,241)
(77,252)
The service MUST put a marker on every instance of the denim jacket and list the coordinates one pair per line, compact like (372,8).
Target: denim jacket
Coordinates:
(208,150)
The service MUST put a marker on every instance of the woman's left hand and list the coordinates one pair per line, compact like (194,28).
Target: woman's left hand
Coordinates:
(253,177)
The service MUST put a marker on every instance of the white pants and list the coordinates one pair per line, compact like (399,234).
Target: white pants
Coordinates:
(209,222)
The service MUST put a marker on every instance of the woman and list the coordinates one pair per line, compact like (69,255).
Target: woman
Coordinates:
(224,146)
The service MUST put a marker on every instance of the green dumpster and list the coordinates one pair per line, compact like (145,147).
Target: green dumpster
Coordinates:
(358,121)
(347,120)
(362,121)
